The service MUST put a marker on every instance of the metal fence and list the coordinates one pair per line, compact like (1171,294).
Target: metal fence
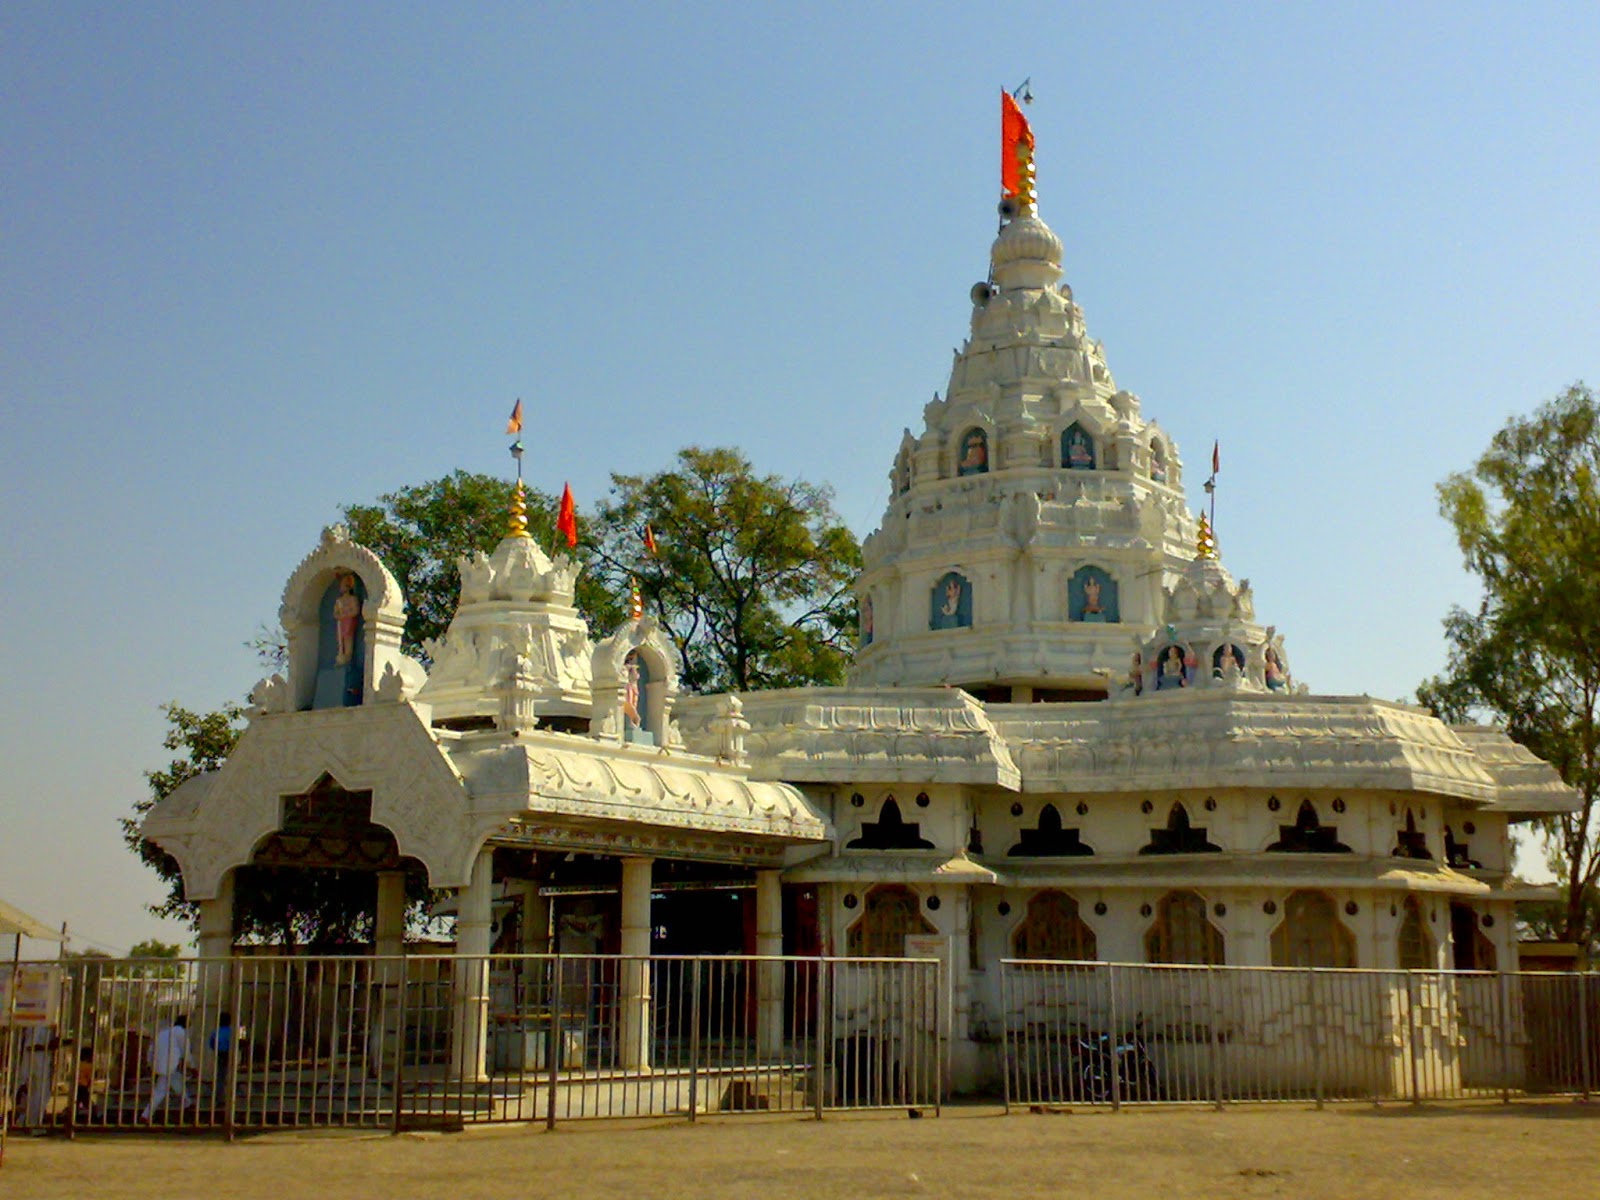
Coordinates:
(444,1040)
(1114,1034)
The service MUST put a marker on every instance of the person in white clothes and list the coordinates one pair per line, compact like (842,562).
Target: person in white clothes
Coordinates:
(169,1063)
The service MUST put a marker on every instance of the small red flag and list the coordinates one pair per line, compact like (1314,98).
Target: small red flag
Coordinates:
(1216,457)
(514,425)
(1014,134)
(649,538)
(567,519)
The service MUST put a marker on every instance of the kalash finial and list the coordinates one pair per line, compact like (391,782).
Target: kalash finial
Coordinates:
(1205,542)
(635,600)
(1016,154)
(518,526)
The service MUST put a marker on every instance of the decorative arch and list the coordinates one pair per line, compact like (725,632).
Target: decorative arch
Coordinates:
(950,604)
(1182,933)
(342,615)
(1311,933)
(636,668)
(1078,448)
(890,831)
(1174,667)
(1050,839)
(1228,662)
(1308,835)
(972,452)
(1179,837)
(1092,596)
(891,913)
(1052,929)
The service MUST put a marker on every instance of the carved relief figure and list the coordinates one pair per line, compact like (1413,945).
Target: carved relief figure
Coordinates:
(974,458)
(952,602)
(1077,449)
(1092,596)
(1158,463)
(346,618)
(1135,675)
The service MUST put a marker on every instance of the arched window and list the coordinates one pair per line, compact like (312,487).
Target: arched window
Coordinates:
(1311,934)
(1412,842)
(972,455)
(1077,448)
(1050,839)
(1181,933)
(890,832)
(1179,837)
(1054,930)
(1415,945)
(891,913)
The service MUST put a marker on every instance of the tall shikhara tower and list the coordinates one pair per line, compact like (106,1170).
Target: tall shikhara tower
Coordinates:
(1037,525)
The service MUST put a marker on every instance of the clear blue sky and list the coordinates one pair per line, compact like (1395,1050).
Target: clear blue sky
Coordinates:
(262,260)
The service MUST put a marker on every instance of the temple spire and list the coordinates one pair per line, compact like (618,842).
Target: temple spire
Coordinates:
(1016,156)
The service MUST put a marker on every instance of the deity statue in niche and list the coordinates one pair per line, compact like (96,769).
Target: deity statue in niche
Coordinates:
(974,458)
(952,602)
(1077,449)
(1135,681)
(630,689)
(346,618)
(1276,677)
(1158,463)
(1227,663)
(866,620)
(1092,596)
(1176,669)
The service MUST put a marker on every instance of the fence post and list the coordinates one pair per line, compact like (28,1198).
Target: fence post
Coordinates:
(555,1044)
(1216,1037)
(235,1049)
(817,1036)
(1007,1061)
(1505,1038)
(944,1009)
(1317,1029)
(1411,1025)
(1583,1033)
(694,1037)
(1113,1063)
(397,1075)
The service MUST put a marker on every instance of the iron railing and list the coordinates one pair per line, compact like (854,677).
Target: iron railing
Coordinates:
(448,1040)
(1122,1033)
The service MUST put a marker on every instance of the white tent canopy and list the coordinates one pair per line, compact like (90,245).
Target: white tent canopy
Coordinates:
(15,921)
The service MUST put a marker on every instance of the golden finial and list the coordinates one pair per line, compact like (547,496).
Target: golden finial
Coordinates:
(519,513)
(1024,197)
(635,600)
(1205,542)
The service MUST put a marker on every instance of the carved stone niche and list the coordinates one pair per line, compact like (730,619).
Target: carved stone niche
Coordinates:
(342,617)
(635,686)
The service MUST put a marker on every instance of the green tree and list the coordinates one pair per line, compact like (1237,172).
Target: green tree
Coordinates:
(420,532)
(1527,517)
(753,573)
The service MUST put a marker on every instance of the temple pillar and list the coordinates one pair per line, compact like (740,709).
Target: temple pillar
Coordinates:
(533,927)
(635,965)
(470,993)
(769,975)
(215,944)
(389,930)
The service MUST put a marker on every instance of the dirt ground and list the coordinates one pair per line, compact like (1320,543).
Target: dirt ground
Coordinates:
(1552,1151)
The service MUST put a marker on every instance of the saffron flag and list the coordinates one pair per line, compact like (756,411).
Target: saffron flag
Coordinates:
(514,425)
(1014,136)
(649,539)
(567,518)
(1216,457)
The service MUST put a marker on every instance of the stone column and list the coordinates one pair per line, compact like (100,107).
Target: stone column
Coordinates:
(389,937)
(215,943)
(635,967)
(470,993)
(769,944)
(534,923)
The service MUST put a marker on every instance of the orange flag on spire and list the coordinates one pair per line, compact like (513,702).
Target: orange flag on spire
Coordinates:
(1014,133)
(514,425)
(567,518)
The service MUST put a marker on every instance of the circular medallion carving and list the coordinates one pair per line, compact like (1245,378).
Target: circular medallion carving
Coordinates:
(1004,908)
(1145,910)
(1270,907)
(933,903)
(1351,908)
(1099,908)
(922,800)
(850,900)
